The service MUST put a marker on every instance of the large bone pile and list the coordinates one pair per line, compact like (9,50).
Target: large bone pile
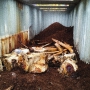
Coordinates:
(37,61)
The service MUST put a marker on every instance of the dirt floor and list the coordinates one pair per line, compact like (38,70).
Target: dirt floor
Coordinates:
(51,79)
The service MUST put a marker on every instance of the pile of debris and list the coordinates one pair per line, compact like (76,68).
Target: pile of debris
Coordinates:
(36,59)
(51,47)
(29,62)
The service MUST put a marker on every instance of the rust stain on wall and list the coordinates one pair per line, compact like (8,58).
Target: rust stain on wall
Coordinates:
(10,43)
(3,46)
(20,6)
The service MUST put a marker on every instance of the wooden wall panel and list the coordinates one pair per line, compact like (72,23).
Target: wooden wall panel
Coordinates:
(3,46)
(7,44)
(0,47)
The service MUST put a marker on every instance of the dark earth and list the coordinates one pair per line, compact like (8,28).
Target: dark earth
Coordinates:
(17,79)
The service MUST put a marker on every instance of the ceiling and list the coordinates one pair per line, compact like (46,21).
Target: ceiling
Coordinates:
(52,5)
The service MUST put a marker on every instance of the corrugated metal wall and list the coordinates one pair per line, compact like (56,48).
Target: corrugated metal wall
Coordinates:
(15,17)
(80,19)
(51,17)
(8,17)
(37,20)
(16,20)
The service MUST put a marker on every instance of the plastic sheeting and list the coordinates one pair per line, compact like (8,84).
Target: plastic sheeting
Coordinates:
(80,18)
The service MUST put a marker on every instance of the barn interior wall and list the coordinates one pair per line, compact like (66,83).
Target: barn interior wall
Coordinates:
(80,19)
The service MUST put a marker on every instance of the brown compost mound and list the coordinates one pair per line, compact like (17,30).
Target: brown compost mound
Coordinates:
(51,79)
(57,31)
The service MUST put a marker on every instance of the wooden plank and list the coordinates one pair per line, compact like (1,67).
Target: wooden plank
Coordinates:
(7,44)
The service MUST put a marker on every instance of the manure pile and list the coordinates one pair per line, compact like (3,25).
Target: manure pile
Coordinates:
(57,31)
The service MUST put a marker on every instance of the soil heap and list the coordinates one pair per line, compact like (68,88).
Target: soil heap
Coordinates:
(57,31)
